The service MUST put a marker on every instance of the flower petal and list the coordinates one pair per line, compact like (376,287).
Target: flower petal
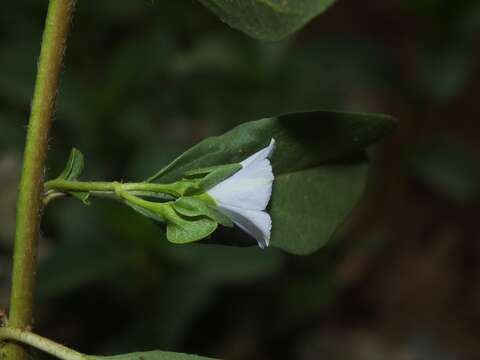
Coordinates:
(256,223)
(244,195)
(250,188)
(262,154)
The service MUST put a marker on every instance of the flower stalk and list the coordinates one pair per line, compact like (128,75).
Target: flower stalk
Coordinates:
(104,186)
(29,204)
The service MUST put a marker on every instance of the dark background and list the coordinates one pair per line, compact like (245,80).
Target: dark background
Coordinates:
(143,80)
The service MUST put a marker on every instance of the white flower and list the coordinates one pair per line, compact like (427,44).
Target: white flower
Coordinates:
(244,196)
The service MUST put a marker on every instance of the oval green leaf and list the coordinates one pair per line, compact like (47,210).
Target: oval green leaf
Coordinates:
(150,355)
(302,140)
(267,19)
(308,206)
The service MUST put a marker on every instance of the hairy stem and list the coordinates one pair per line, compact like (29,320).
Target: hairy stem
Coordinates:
(29,203)
(41,343)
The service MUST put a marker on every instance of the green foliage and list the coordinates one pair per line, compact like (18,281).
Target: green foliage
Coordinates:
(150,355)
(303,140)
(316,181)
(215,175)
(448,167)
(182,229)
(72,171)
(308,206)
(194,81)
(199,181)
(74,167)
(267,19)
(194,206)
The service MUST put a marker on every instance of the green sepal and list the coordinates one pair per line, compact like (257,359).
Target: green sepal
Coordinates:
(147,212)
(217,176)
(183,230)
(207,170)
(211,177)
(194,206)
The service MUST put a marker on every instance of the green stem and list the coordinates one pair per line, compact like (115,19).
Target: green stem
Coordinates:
(29,203)
(41,343)
(67,185)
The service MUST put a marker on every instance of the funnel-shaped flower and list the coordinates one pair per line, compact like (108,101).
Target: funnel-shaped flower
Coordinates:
(244,196)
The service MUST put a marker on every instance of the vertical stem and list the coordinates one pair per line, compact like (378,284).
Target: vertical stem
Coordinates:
(29,205)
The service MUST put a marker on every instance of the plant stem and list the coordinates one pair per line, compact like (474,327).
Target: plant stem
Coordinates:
(29,203)
(67,185)
(41,343)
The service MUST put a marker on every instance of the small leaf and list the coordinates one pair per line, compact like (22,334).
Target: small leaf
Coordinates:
(72,171)
(192,206)
(267,19)
(74,166)
(150,355)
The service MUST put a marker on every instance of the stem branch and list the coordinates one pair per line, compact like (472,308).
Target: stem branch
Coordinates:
(41,343)
(29,203)
(67,185)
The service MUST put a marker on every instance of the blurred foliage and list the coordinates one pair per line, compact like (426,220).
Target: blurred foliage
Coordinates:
(267,20)
(145,80)
(448,167)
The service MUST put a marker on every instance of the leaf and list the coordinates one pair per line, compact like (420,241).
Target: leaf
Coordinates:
(267,19)
(72,171)
(74,166)
(319,166)
(303,140)
(150,355)
(308,206)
